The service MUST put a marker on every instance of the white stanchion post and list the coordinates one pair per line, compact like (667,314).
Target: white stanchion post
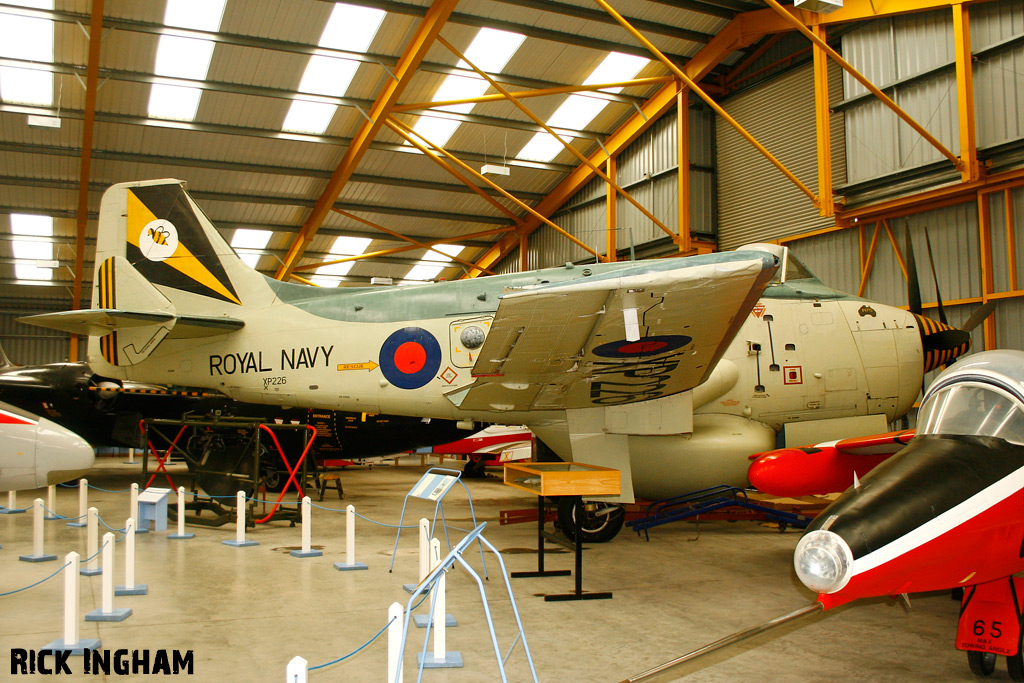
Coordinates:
(51,502)
(350,543)
(307,532)
(107,611)
(130,587)
(439,659)
(37,536)
(71,642)
(297,671)
(395,628)
(424,555)
(181,518)
(12,504)
(83,503)
(240,541)
(134,512)
(92,545)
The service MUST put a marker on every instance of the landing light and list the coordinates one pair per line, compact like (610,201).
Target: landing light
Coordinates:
(823,561)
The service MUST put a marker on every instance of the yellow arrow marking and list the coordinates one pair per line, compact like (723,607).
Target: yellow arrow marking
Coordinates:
(368,365)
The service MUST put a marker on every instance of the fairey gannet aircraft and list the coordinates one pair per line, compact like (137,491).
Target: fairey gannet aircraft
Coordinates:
(672,371)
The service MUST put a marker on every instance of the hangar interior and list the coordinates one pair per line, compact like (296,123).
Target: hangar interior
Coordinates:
(392,143)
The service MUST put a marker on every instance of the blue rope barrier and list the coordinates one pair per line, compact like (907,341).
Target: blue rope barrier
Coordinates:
(356,651)
(19,590)
(55,515)
(123,532)
(4,507)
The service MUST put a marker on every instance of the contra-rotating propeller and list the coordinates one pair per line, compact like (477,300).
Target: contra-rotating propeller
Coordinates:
(942,343)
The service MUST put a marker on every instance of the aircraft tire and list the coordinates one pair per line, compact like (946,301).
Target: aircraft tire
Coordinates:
(474,469)
(596,528)
(981,663)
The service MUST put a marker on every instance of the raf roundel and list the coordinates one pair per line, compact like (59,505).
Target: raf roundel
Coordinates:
(410,357)
(645,346)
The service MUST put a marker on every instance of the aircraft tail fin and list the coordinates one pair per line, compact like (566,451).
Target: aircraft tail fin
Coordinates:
(162,270)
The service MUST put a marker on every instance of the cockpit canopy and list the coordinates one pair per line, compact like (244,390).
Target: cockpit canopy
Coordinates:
(791,269)
(973,408)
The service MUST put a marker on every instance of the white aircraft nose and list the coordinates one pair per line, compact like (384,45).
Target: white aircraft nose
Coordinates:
(61,455)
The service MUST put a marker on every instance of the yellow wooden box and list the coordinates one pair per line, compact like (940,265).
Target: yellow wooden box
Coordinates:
(563,479)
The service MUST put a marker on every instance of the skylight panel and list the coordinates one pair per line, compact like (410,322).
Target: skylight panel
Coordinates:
(579,110)
(30,253)
(343,246)
(490,51)
(349,28)
(249,244)
(432,263)
(27,38)
(180,57)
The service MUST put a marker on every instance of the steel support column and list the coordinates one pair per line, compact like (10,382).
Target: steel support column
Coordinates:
(826,207)
(88,127)
(683,163)
(611,210)
(987,285)
(969,169)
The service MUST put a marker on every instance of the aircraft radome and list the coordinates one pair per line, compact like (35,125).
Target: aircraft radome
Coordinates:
(671,370)
(35,452)
(945,512)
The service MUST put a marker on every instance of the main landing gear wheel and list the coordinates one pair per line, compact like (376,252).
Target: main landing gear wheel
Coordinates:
(981,663)
(474,469)
(601,521)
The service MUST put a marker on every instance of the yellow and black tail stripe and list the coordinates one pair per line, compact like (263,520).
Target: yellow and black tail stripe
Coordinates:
(108,299)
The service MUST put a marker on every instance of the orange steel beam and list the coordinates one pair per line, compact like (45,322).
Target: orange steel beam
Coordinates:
(869,262)
(1011,238)
(399,250)
(536,119)
(987,285)
(404,131)
(860,78)
(896,250)
(707,98)
(524,253)
(785,61)
(826,207)
(611,210)
(541,92)
(683,162)
(88,127)
(932,199)
(410,240)
(407,132)
(425,35)
(737,34)
(969,169)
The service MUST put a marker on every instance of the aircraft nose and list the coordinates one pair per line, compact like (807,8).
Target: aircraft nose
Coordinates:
(61,455)
(942,343)
(823,561)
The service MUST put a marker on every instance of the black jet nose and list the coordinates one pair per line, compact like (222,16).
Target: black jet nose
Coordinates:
(942,343)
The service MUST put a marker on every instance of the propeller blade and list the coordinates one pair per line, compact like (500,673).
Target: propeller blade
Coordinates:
(913,284)
(935,277)
(979,316)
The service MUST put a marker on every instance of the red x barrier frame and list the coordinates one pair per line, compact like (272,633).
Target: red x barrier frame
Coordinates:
(160,462)
(291,470)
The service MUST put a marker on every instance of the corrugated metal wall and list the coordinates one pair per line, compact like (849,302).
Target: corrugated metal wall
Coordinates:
(905,48)
(647,170)
(756,202)
(956,249)
(27,345)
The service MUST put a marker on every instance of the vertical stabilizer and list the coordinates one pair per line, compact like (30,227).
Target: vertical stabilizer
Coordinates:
(170,242)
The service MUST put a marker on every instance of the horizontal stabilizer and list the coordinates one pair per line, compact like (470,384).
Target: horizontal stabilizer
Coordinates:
(98,322)
(95,322)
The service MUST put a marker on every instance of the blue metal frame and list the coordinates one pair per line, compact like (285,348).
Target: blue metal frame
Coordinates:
(438,507)
(455,555)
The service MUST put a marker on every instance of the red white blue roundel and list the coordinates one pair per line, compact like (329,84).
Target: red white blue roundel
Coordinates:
(410,357)
(645,346)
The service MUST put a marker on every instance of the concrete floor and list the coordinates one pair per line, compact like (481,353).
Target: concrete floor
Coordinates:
(245,612)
